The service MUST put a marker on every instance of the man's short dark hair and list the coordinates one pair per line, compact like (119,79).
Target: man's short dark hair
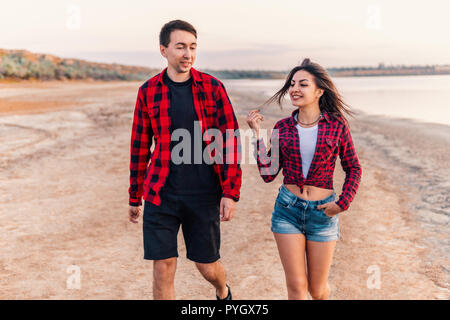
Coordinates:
(166,30)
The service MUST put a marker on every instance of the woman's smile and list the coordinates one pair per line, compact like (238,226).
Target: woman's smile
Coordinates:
(296,96)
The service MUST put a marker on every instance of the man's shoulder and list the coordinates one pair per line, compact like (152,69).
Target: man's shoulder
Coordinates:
(150,82)
(209,79)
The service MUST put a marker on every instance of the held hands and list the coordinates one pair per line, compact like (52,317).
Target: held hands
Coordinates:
(227,208)
(253,119)
(330,209)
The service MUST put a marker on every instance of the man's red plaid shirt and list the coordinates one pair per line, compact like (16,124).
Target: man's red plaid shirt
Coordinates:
(152,121)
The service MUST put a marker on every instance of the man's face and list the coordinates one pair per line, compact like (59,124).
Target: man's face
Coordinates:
(180,53)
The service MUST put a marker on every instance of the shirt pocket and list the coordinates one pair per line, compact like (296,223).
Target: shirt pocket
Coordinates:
(329,148)
(286,145)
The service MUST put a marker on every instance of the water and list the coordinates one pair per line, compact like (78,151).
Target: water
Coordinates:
(421,98)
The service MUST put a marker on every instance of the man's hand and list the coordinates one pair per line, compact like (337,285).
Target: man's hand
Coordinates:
(227,208)
(330,209)
(134,213)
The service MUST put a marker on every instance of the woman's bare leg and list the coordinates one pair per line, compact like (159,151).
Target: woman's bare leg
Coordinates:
(319,257)
(291,248)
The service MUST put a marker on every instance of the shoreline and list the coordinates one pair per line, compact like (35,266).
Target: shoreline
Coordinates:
(236,95)
(64,175)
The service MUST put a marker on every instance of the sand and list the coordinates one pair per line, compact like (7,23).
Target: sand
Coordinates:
(64,171)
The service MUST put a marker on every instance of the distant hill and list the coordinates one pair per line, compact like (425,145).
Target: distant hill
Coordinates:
(22,64)
(393,70)
(380,70)
(247,74)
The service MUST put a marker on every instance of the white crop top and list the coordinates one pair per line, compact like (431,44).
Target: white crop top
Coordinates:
(308,140)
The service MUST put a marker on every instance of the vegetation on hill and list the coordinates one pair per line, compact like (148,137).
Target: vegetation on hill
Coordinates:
(21,64)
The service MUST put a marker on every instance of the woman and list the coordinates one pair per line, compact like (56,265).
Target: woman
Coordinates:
(305,145)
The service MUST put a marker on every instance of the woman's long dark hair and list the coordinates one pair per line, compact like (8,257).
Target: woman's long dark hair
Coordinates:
(330,101)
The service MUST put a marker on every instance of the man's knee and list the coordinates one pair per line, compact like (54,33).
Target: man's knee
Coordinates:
(208,270)
(164,269)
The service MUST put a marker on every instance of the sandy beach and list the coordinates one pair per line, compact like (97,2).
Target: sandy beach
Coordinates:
(64,177)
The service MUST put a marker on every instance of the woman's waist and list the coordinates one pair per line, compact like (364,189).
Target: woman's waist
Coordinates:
(309,192)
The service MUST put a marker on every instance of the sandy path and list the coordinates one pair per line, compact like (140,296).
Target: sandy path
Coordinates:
(63,202)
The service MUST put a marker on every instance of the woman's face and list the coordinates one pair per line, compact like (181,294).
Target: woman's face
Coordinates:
(303,90)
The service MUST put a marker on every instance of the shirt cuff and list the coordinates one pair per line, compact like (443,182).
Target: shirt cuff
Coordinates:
(343,203)
(230,196)
(135,202)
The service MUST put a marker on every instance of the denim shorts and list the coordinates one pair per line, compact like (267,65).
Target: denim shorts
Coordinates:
(292,214)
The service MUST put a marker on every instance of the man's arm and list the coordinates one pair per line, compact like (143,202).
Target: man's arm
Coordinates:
(228,125)
(141,141)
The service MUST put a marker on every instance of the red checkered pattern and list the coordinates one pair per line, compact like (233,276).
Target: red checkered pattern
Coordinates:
(152,121)
(333,139)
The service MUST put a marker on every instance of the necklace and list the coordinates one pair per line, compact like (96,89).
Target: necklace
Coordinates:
(308,124)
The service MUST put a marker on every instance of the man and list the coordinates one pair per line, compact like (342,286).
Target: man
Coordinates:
(194,194)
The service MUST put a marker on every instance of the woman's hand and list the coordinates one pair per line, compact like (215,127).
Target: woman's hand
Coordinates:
(330,209)
(253,119)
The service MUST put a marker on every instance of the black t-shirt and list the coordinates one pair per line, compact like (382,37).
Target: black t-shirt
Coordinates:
(192,176)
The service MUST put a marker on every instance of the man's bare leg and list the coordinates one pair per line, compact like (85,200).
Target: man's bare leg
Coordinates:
(163,279)
(214,273)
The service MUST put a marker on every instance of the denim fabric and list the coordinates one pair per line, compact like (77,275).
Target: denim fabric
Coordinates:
(292,214)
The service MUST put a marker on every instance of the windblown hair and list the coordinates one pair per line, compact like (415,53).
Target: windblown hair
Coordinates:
(331,101)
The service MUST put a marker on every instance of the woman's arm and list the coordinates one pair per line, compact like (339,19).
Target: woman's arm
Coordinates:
(269,162)
(350,164)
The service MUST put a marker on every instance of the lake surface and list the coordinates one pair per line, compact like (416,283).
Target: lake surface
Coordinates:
(422,98)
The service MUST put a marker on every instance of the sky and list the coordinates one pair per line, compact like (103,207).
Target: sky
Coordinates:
(246,34)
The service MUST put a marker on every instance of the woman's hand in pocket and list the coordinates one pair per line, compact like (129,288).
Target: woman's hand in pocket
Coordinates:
(330,209)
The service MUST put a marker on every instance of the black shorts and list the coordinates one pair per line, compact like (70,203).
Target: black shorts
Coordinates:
(199,217)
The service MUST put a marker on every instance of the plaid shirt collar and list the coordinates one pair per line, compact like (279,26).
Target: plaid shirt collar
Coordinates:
(194,73)
(293,121)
